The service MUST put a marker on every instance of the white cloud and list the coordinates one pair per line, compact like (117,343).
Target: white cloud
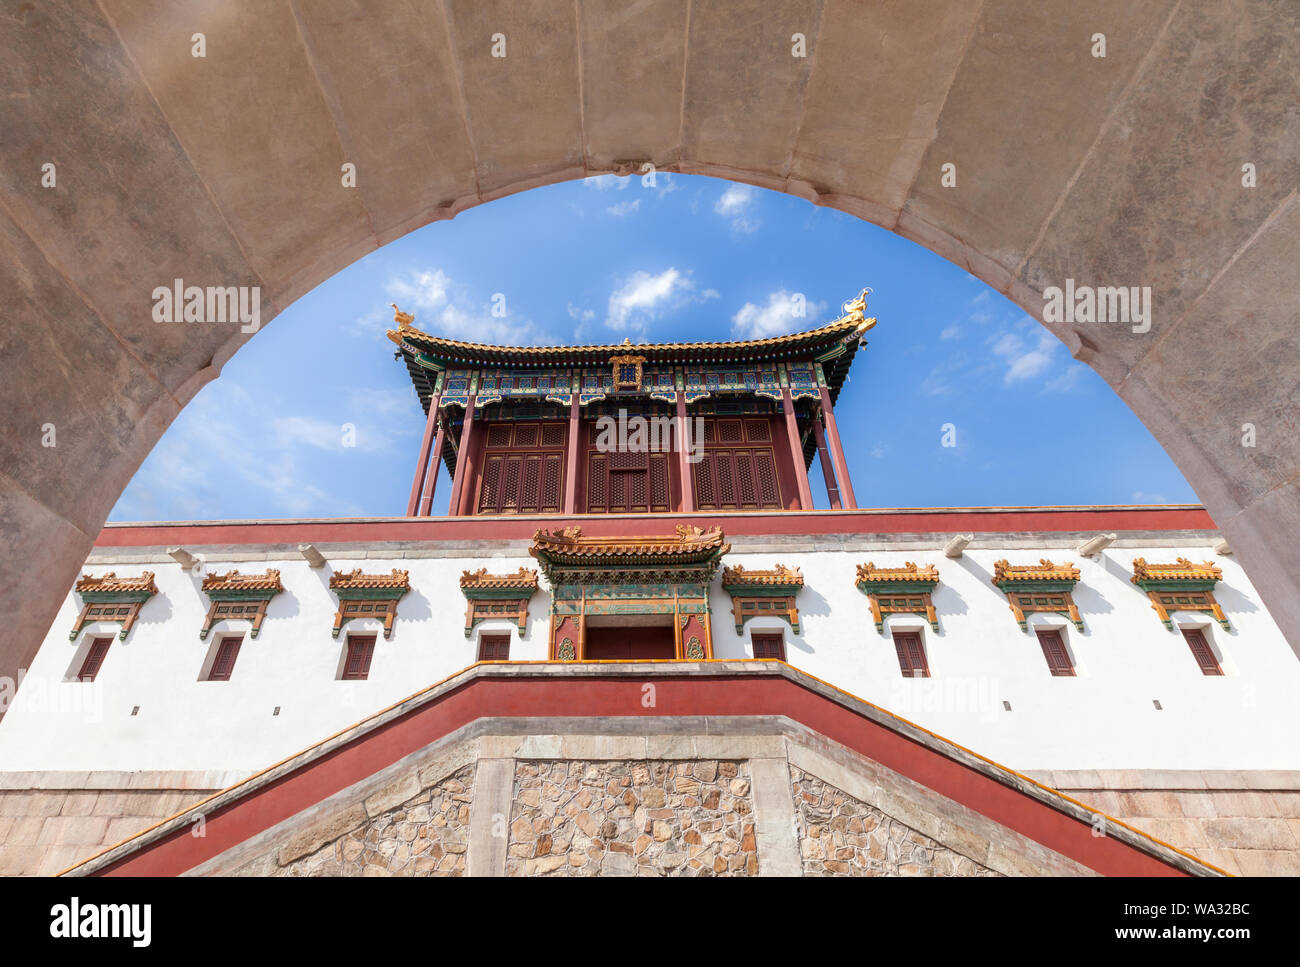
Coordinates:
(952,332)
(289,431)
(582,315)
(1068,379)
(624,208)
(737,204)
(420,290)
(644,296)
(1141,497)
(1025,361)
(382,402)
(940,380)
(776,318)
(176,482)
(607,182)
(449,310)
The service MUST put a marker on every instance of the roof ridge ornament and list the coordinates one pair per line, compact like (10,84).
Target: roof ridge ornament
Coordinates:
(404,320)
(856,308)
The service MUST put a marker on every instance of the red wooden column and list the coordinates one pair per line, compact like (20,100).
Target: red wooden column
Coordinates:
(435,460)
(796,451)
(422,465)
(683,444)
(832,491)
(837,451)
(574,445)
(462,459)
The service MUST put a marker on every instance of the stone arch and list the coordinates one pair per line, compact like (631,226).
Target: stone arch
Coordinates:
(226,170)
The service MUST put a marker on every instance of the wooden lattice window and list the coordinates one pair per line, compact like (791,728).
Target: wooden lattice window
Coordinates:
(521,474)
(911,654)
(1054,650)
(1202,651)
(94,659)
(494,648)
(224,663)
(361,648)
(769,646)
(737,479)
(624,481)
(553,434)
(737,470)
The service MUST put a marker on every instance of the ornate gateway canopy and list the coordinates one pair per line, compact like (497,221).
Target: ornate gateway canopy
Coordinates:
(625,577)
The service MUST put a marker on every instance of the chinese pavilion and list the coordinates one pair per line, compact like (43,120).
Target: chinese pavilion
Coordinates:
(519,428)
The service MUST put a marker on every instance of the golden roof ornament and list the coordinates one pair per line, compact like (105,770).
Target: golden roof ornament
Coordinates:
(855,312)
(404,320)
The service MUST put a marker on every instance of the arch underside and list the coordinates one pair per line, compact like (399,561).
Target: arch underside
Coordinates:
(225,170)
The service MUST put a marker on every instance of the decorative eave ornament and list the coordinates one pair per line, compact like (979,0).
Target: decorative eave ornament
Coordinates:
(757,594)
(628,371)
(497,596)
(111,598)
(404,320)
(899,590)
(1038,588)
(855,311)
(566,557)
(241,596)
(1181,586)
(369,596)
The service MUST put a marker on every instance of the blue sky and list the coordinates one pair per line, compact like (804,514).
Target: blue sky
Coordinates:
(690,258)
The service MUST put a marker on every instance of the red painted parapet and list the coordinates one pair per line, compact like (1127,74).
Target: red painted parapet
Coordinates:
(542,689)
(521,527)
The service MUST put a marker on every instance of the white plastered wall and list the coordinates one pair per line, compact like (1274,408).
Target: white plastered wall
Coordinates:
(1103,718)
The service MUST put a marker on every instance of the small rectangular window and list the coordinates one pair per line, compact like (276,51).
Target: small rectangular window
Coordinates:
(1202,651)
(769,646)
(94,659)
(360,650)
(224,663)
(911,654)
(494,648)
(1058,659)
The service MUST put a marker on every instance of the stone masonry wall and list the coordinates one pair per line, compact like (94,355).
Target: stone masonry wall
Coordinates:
(44,831)
(1250,829)
(424,835)
(632,818)
(843,836)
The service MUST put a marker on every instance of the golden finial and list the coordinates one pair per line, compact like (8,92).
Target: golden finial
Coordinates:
(403,319)
(857,307)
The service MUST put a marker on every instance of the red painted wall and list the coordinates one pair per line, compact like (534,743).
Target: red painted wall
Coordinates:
(521,527)
(611,695)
